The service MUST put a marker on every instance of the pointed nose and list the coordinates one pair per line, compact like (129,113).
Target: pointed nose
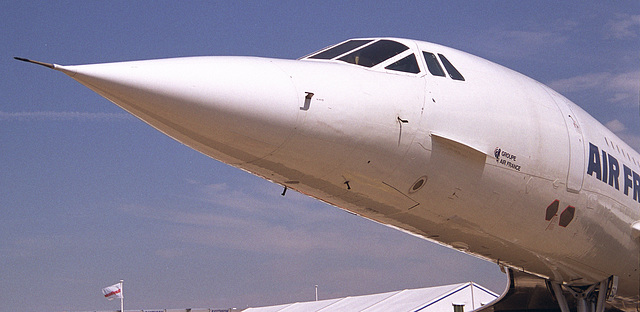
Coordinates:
(212,104)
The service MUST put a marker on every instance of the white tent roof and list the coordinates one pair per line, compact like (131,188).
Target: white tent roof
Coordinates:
(439,298)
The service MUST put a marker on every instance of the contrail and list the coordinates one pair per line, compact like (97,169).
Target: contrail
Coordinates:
(62,116)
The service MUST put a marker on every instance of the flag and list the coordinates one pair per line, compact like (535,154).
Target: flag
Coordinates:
(113,291)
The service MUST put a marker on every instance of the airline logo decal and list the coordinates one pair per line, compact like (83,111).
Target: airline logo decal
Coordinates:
(506,159)
(606,168)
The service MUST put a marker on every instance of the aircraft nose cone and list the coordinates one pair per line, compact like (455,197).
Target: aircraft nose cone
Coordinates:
(236,109)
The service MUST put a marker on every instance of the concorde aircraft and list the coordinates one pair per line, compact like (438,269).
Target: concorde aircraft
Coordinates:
(421,137)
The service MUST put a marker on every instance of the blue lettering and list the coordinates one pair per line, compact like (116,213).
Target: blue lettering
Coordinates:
(627,179)
(614,172)
(636,186)
(605,169)
(594,162)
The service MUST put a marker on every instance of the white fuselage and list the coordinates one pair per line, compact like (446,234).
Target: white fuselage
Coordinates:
(497,165)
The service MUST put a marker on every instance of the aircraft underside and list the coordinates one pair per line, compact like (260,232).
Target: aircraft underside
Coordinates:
(526,292)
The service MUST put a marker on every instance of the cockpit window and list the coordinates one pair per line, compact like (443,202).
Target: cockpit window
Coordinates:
(407,64)
(375,53)
(433,65)
(340,49)
(453,72)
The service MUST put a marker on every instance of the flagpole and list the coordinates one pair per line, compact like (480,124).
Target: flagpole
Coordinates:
(121,296)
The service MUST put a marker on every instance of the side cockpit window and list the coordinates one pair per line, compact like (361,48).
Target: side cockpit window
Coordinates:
(375,53)
(433,65)
(435,69)
(453,72)
(408,64)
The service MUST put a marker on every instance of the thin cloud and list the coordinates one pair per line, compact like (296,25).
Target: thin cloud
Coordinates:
(631,139)
(525,42)
(616,126)
(264,201)
(518,44)
(268,223)
(533,39)
(250,232)
(62,116)
(580,83)
(625,27)
(619,128)
(30,245)
(619,88)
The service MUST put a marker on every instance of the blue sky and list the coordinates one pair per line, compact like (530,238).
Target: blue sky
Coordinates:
(90,195)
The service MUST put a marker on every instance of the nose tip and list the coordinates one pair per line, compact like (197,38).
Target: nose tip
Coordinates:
(213,104)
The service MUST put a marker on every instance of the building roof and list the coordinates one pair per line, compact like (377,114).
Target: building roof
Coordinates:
(441,298)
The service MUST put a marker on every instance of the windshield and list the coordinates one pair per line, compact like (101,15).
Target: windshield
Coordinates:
(389,55)
(375,53)
(371,52)
(339,49)
(363,52)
